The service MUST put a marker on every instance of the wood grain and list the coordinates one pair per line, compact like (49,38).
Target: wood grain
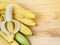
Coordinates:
(47,31)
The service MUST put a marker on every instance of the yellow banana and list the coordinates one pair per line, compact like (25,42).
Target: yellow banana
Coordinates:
(17,8)
(18,12)
(3,41)
(2,12)
(2,6)
(26,21)
(8,38)
(25,30)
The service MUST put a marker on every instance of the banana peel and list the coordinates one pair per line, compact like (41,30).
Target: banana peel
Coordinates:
(8,38)
(21,39)
(3,41)
(17,8)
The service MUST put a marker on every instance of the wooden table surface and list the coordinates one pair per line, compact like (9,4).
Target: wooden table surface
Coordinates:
(47,31)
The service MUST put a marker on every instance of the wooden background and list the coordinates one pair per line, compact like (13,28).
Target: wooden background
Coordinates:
(47,31)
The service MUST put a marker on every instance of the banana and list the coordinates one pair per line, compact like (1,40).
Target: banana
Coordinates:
(17,8)
(2,12)
(26,21)
(3,41)
(3,6)
(18,12)
(25,30)
(21,39)
(8,38)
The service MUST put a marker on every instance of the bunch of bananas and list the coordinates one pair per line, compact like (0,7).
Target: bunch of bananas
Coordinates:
(21,14)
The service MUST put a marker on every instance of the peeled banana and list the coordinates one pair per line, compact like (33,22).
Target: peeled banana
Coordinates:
(3,41)
(21,39)
(18,10)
